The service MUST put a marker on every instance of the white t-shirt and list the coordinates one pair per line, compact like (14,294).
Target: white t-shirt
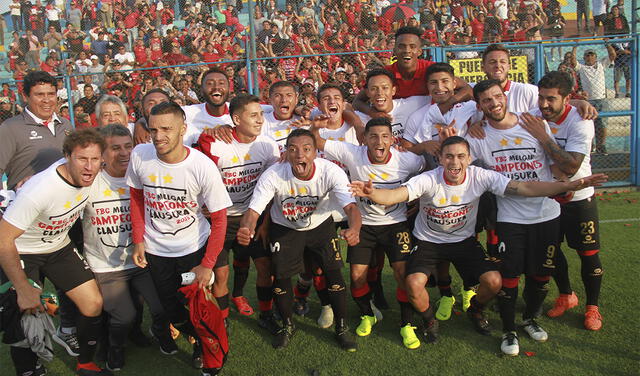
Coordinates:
(516,154)
(428,130)
(173,196)
(278,129)
(592,78)
(198,119)
(45,208)
(345,133)
(574,134)
(390,175)
(598,7)
(521,97)
(301,205)
(448,213)
(241,165)
(415,122)
(400,113)
(106,225)
(502,9)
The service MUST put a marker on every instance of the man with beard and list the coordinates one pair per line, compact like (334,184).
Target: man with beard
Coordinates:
(299,191)
(569,148)
(383,226)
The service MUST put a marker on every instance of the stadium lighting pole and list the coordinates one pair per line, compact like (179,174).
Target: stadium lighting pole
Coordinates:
(252,73)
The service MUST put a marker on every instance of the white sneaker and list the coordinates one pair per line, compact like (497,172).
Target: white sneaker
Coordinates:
(376,312)
(510,344)
(68,341)
(326,316)
(535,331)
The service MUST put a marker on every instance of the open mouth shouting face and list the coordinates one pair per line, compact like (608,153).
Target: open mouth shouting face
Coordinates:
(84,164)
(455,159)
(378,140)
(215,89)
(331,103)
(380,90)
(284,100)
(301,152)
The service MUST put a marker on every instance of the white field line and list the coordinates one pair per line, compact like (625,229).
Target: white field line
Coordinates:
(620,220)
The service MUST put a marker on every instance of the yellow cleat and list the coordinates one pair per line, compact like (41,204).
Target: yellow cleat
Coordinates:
(444,308)
(409,338)
(367,322)
(466,299)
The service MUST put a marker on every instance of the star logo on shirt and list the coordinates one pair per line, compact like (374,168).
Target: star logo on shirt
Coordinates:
(121,191)
(554,130)
(340,138)
(278,134)
(517,141)
(288,130)
(235,159)
(384,176)
(455,199)
(107,192)
(247,157)
(79,198)
(504,142)
(330,139)
(303,190)
(292,191)
(372,175)
(443,201)
(167,178)
(67,205)
(153,178)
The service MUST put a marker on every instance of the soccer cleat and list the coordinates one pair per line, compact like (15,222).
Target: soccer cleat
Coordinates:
(300,306)
(592,318)
(138,338)
(167,344)
(366,323)
(283,337)
(466,299)
(326,316)
(563,303)
(68,341)
(430,331)
(376,312)
(510,344)
(409,338)
(268,321)
(480,322)
(242,305)
(91,369)
(444,308)
(196,356)
(534,330)
(115,358)
(175,333)
(345,338)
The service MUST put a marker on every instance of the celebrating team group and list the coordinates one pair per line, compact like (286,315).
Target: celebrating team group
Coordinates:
(414,169)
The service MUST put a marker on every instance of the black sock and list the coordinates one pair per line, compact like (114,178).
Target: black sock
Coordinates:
(302,287)
(476,306)
(240,275)
(592,277)
(283,293)
(561,277)
(534,293)
(23,359)
(337,293)
(376,286)
(89,330)
(444,285)
(265,296)
(364,304)
(118,335)
(427,315)
(507,301)
(406,313)
(323,295)
(223,302)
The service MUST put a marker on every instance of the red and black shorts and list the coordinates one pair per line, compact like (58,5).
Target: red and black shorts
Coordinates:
(528,248)
(580,224)
(393,239)
(288,247)
(468,256)
(254,250)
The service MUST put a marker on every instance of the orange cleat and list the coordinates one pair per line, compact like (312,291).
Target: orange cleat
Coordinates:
(563,303)
(592,318)
(175,333)
(242,304)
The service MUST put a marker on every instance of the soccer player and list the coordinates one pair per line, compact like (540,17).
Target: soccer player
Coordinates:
(383,226)
(108,247)
(527,228)
(35,244)
(569,147)
(299,191)
(241,163)
(283,97)
(445,226)
(170,183)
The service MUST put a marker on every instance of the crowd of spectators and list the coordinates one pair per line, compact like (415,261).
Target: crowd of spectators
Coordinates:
(101,37)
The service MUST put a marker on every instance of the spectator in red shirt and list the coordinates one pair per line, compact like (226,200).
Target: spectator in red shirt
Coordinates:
(477,26)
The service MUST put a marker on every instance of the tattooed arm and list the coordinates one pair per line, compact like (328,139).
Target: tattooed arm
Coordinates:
(546,188)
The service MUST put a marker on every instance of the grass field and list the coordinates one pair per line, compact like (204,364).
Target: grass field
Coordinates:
(571,350)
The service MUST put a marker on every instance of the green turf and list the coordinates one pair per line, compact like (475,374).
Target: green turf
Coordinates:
(571,350)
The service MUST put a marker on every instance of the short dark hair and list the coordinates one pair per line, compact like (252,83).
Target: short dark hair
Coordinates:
(409,30)
(301,132)
(278,84)
(35,78)
(379,72)
(494,47)
(214,70)
(378,122)
(165,108)
(153,91)
(327,86)
(240,101)
(439,67)
(454,140)
(82,138)
(557,80)
(113,130)
(483,86)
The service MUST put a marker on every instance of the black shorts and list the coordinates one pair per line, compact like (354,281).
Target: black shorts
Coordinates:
(599,19)
(468,256)
(580,225)
(254,250)
(66,268)
(487,212)
(394,240)
(288,247)
(528,248)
